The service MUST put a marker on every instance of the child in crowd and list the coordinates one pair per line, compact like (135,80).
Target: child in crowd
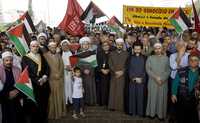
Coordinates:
(77,93)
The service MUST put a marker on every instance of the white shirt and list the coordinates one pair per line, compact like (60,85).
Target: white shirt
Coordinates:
(77,88)
(173,63)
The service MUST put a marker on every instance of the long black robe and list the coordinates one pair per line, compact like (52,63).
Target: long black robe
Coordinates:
(12,111)
(103,84)
(37,113)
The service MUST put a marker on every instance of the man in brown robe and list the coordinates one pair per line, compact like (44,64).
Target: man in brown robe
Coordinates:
(56,106)
(117,62)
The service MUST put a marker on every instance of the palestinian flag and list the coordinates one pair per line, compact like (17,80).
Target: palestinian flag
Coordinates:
(91,13)
(20,38)
(26,19)
(87,58)
(180,21)
(24,85)
(90,60)
(115,25)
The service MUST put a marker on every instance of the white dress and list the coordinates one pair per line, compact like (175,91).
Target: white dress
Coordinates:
(67,77)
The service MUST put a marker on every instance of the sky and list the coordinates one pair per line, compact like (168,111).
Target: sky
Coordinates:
(53,11)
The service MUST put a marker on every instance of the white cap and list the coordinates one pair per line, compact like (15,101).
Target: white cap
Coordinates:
(84,39)
(6,54)
(113,33)
(34,42)
(119,40)
(157,45)
(152,36)
(42,35)
(64,41)
(52,44)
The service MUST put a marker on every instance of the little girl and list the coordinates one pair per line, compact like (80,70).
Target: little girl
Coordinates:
(77,93)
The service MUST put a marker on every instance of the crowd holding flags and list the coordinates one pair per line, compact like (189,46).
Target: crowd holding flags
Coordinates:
(83,49)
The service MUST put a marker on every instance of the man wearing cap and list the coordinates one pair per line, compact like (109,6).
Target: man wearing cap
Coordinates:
(117,62)
(88,75)
(158,70)
(38,70)
(66,53)
(185,91)
(10,97)
(42,38)
(56,108)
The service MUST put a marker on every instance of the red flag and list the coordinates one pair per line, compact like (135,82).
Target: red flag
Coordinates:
(196,19)
(72,23)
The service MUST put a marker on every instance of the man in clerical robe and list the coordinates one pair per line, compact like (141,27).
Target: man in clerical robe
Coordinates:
(117,63)
(38,72)
(158,70)
(66,53)
(56,108)
(10,97)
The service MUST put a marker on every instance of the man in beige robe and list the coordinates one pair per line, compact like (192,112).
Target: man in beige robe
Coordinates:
(56,80)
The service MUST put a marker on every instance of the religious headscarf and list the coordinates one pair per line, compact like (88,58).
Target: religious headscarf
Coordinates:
(6,54)
(156,45)
(64,41)
(34,42)
(119,40)
(52,44)
(84,39)
(42,35)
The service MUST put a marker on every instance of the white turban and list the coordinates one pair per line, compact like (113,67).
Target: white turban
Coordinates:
(157,45)
(119,40)
(51,44)
(34,42)
(84,39)
(42,35)
(152,36)
(6,54)
(113,33)
(64,41)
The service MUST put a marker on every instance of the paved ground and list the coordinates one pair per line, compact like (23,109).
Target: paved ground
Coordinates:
(101,115)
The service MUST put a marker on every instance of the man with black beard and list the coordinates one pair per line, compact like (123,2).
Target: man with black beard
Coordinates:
(38,72)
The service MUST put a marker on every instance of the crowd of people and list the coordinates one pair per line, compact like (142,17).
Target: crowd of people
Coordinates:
(148,72)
